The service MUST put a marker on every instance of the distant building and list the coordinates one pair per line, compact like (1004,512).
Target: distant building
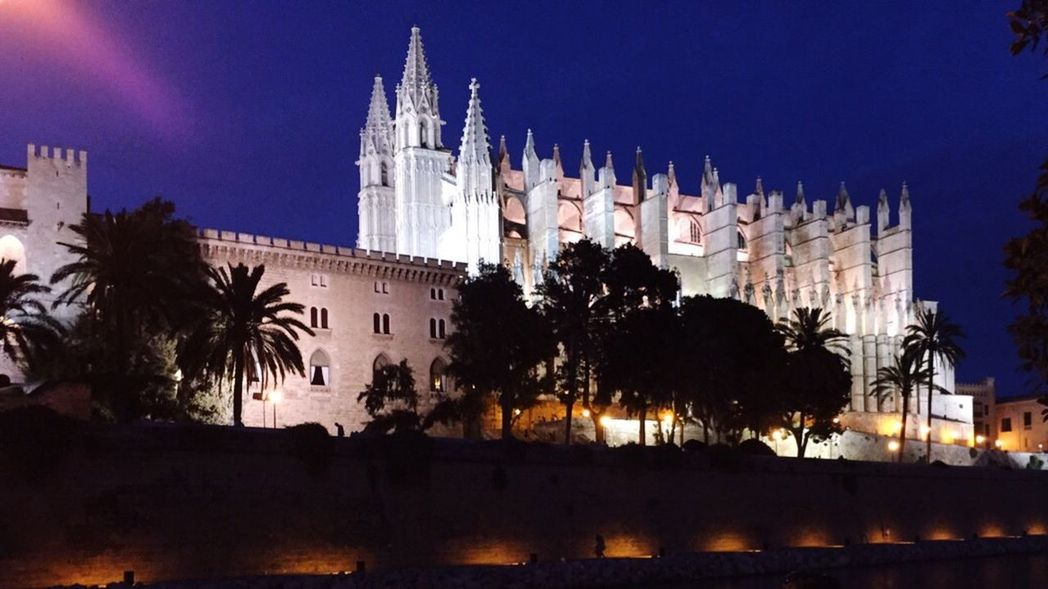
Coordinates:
(983,396)
(1020,425)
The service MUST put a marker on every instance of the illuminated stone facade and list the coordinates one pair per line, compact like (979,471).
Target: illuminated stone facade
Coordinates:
(761,248)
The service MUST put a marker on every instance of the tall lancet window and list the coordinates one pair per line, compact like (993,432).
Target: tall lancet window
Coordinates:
(384,171)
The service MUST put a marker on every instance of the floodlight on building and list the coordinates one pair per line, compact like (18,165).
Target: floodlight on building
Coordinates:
(276,396)
(925,431)
(516,412)
(980,439)
(999,444)
(605,420)
(585,412)
(893,446)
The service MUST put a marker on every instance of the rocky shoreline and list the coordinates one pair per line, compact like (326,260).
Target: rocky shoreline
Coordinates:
(612,572)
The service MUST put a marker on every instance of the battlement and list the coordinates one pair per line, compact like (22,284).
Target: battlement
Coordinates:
(70,156)
(334,250)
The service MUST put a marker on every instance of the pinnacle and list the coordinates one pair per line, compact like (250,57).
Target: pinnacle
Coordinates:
(475,145)
(587,158)
(608,163)
(416,80)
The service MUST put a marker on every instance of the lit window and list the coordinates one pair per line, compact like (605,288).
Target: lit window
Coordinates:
(380,362)
(323,318)
(319,369)
(438,379)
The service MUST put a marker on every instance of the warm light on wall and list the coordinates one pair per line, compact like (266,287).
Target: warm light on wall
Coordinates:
(585,412)
(999,444)
(605,420)
(893,446)
(925,430)
(980,439)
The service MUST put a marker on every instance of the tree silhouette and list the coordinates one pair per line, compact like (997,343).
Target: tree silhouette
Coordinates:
(136,275)
(903,377)
(498,346)
(817,378)
(933,337)
(573,300)
(26,330)
(245,331)
(391,400)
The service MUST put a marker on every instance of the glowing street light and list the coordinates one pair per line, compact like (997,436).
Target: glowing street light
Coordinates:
(998,444)
(276,397)
(893,446)
(980,439)
(925,431)
(585,412)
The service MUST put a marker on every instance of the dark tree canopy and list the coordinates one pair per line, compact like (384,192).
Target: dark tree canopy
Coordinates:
(498,345)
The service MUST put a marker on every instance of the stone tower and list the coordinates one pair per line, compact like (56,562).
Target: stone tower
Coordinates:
(475,211)
(55,198)
(420,159)
(376,206)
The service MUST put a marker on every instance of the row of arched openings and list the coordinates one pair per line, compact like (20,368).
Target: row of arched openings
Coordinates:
(318,317)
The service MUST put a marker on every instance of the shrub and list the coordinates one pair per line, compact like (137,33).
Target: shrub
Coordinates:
(312,444)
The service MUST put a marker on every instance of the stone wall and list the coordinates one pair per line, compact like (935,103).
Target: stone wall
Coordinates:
(82,505)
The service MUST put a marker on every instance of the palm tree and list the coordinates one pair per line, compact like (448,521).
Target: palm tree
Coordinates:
(818,381)
(903,376)
(25,326)
(932,337)
(245,332)
(808,329)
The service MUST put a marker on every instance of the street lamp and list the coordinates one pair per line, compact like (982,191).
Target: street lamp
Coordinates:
(276,397)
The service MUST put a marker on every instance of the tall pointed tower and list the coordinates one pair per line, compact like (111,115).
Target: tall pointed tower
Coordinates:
(476,220)
(420,158)
(376,206)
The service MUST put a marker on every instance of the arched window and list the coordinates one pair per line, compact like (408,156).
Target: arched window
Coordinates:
(323,318)
(384,171)
(11,248)
(432,328)
(742,241)
(440,294)
(438,379)
(312,316)
(319,369)
(380,361)
(694,232)
(385,323)
(441,332)
(423,134)
(377,321)
(433,293)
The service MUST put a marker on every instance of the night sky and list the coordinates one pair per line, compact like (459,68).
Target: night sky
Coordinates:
(246,113)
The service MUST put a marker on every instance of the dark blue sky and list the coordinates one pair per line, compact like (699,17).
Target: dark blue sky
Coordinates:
(246,113)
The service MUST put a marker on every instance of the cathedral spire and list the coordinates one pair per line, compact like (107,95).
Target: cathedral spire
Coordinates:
(475,147)
(378,109)
(416,82)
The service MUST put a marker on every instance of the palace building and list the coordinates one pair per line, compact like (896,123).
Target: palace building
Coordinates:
(428,216)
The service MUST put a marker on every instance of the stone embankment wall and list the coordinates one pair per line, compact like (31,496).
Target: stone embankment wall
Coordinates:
(82,504)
